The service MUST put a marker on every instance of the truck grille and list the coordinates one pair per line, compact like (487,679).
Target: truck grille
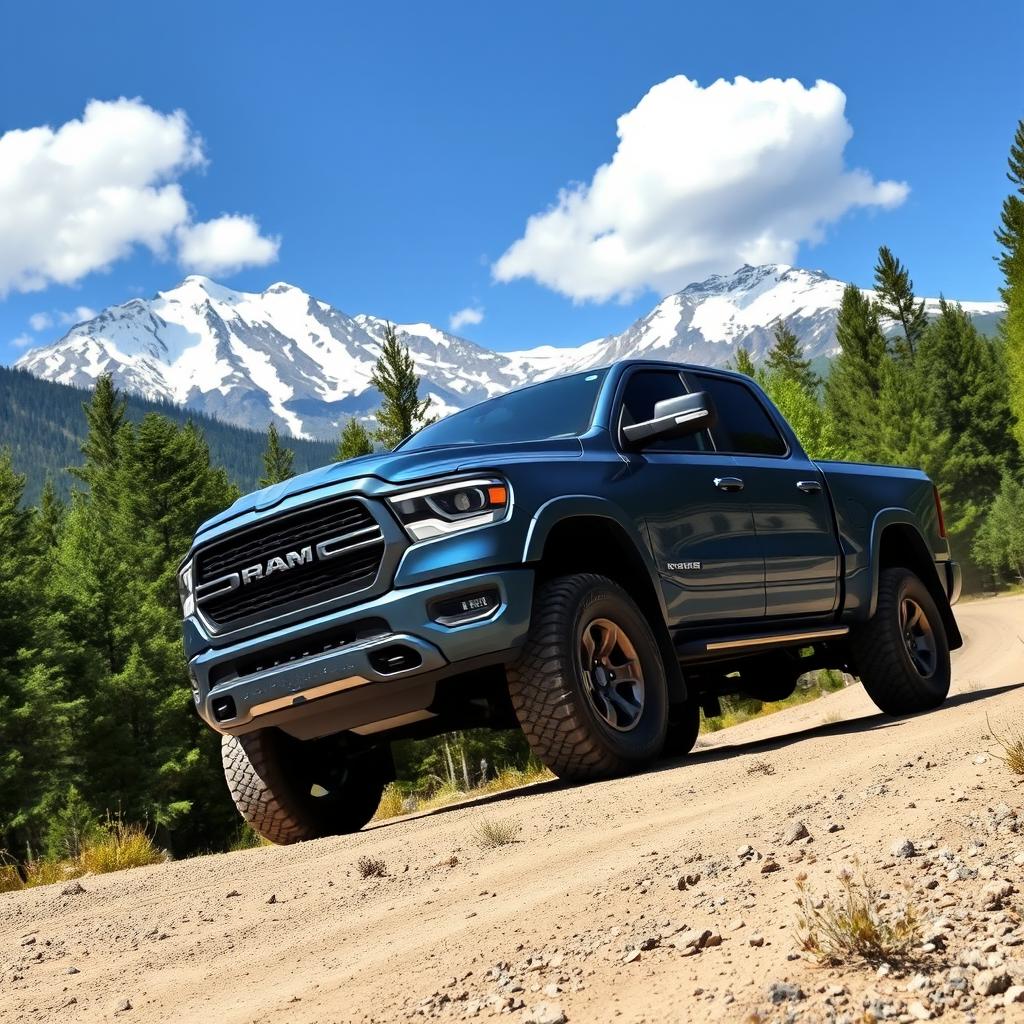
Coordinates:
(311,555)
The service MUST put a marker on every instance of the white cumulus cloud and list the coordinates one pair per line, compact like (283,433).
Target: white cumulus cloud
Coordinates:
(703,180)
(40,321)
(22,341)
(76,198)
(77,315)
(466,317)
(224,245)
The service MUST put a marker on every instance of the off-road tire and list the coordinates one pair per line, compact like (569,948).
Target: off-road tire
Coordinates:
(272,791)
(882,656)
(549,692)
(683,729)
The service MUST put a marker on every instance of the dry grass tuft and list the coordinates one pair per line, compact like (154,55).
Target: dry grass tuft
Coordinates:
(371,867)
(391,803)
(832,718)
(1013,747)
(853,927)
(117,847)
(497,832)
(760,767)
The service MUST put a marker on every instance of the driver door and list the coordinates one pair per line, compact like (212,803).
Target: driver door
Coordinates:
(701,531)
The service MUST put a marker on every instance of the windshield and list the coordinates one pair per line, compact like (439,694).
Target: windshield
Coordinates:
(557,408)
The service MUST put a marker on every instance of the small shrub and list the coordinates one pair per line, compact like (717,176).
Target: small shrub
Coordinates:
(497,832)
(392,803)
(247,838)
(371,867)
(761,767)
(10,879)
(46,872)
(853,926)
(119,846)
(1013,747)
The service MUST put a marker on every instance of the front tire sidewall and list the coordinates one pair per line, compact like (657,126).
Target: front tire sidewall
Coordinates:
(550,695)
(646,739)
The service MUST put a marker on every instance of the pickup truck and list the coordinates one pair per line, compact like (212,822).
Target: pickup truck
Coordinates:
(596,559)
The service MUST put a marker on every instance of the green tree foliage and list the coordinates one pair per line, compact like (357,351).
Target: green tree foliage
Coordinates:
(999,545)
(743,363)
(854,382)
(1010,236)
(394,376)
(804,412)
(786,359)
(355,441)
(42,423)
(37,720)
(277,460)
(894,294)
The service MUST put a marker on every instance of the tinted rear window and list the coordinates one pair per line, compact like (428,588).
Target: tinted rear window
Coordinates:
(744,426)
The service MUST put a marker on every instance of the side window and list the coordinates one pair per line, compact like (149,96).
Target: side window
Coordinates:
(643,391)
(744,426)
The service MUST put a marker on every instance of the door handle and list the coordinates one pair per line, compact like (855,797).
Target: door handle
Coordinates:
(728,483)
(808,486)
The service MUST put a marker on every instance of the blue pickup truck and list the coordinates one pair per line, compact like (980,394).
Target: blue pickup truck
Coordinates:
(596,559)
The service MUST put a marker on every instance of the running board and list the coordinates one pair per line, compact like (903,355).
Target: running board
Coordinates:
(723,647)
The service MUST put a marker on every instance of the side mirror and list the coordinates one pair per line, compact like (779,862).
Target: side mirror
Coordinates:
(674,417)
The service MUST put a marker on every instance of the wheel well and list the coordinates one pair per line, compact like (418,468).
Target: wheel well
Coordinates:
(901,545)
(599,545)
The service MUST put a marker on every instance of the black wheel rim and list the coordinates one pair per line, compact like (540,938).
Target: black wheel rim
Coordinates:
(612,674)
(918,637)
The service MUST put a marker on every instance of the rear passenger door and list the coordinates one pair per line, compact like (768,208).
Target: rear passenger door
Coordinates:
(701,530)
(786,491)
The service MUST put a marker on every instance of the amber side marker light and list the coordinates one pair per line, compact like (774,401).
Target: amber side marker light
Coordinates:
(497,495)
(938,512)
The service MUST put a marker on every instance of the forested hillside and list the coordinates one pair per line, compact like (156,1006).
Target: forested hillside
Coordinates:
(43,426)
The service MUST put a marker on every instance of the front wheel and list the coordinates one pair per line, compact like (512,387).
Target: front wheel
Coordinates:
(589,687)
(902,652)
(290,791)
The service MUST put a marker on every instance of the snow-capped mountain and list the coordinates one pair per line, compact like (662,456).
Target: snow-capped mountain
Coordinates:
(284,356)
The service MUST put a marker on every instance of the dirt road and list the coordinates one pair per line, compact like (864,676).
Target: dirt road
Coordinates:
(584,918)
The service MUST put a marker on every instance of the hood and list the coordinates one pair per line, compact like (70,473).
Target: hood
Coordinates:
(403,467)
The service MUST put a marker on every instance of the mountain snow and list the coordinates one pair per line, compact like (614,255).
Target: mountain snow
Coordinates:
(283,356)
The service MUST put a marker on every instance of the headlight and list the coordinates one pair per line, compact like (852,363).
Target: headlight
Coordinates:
(186,593)
(448,508)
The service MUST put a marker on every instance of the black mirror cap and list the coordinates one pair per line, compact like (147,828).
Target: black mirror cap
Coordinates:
(675,417)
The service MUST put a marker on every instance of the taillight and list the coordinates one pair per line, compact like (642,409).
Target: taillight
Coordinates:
(938,512)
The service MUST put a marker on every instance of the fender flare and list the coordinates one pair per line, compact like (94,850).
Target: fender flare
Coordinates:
(922,558)
(557,510)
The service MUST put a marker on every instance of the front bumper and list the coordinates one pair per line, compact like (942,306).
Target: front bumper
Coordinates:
(307,680)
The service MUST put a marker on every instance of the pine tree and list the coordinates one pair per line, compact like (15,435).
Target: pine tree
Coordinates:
(961,380)
(105,418)
(277,460)
(355,441)
(855,378)
(395,378)
(786,358)
(1010,236)
(894,293)
(743,363)
(1000,541)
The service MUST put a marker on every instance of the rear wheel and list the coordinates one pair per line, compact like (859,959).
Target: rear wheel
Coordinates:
(902,652)
(589,687)
(290,791)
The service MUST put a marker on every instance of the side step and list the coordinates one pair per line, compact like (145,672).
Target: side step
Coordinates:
(727,646)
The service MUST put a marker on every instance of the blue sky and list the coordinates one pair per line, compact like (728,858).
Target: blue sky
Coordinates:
(391,153)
